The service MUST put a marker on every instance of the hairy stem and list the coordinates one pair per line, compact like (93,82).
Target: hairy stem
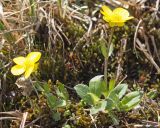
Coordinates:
(106,58)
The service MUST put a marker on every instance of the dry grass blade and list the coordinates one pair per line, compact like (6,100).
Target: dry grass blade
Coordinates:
(141,47)
(23,120)
(34,121)
(10,118)
(136,33)
(12,113)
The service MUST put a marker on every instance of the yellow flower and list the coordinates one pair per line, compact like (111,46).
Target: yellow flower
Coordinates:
(117,17)
(26,65)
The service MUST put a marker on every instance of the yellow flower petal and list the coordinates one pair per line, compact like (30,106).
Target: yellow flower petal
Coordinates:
(120,24)
(116,18)
(35,67)
(19,60)
(121,12)
(17,70)
(130,17)
(106,19)
(33,57)
(124,14)
(28,71)
(112,24)
(107,12)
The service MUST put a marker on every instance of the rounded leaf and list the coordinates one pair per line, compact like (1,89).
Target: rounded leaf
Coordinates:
(81,90)
(97,85)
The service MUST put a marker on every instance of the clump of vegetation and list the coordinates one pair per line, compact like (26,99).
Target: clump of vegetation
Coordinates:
(70,43)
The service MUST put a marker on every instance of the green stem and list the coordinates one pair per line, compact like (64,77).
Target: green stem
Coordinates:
(106,58)
(60,7)
(32,3)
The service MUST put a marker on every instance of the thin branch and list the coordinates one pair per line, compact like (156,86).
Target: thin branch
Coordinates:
(106,58)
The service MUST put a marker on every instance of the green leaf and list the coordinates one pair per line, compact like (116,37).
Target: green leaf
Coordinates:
(54,102)
(2,27)
(110,104)
(51,99)
(32,4)
(56,116)
(152,94)
(91,99)
(60,103)
(120,90)
(66,126)
(111,50)
(130,96)
(104,49)
(131,100)
(81,90)
(99,107)
(42,87)
(114,118)
(38,86)
(115,100)
(112,84)
(46,88)
(97,85)
(62,91)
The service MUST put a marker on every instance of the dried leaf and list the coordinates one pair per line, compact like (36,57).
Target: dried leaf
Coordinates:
(25,85)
